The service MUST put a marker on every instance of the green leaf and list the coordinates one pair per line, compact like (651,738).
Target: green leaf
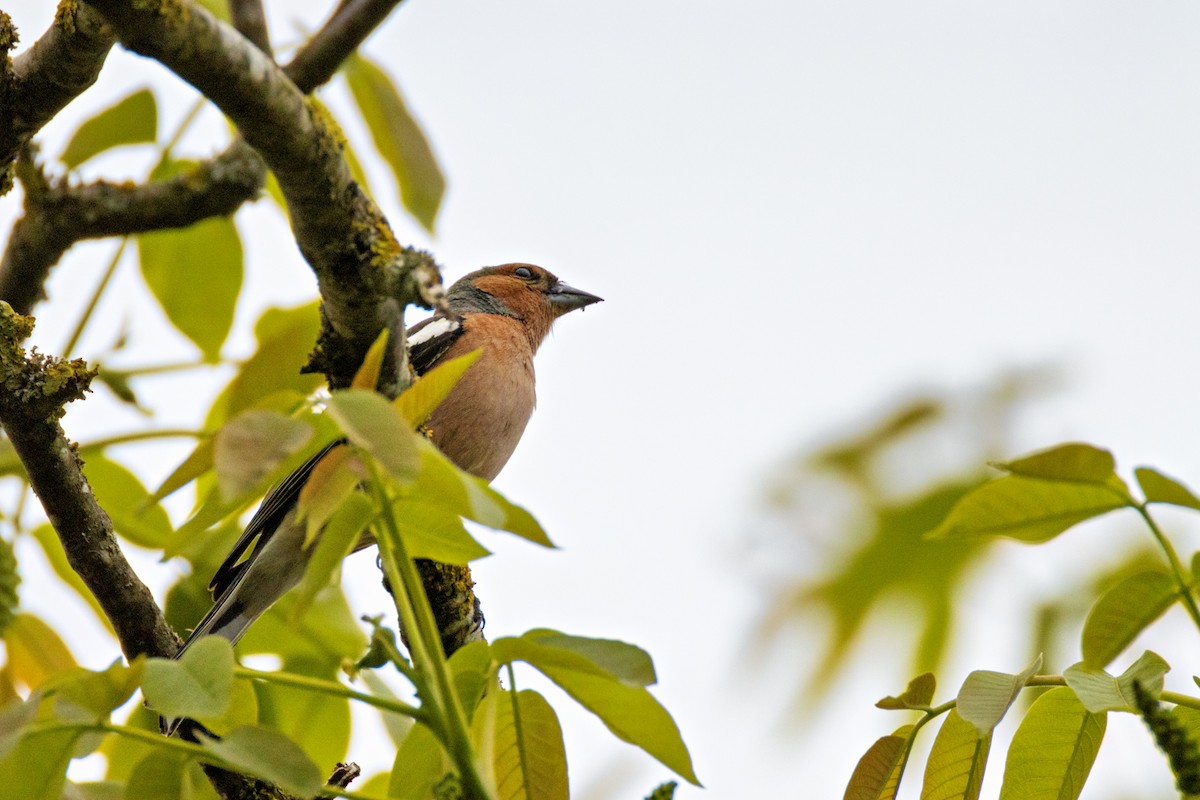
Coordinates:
(162,776)
(198,684)
(630,712)
(440,483)
(985,696)
(398,138)
(427,392)
(35,651)
(1029,509)
(336,542)
(1159,488)
(396,725)
(1123,612)
(543,647)
(133,120)
(1099,691)
(133,512)
(36,768)
(420,763)
(917,695)
(1053,750)
(955,767)
(252,445)
(333,479)
(1066,462)
(369,421)
(195,274)
(287,767)
(877,774)
(285,336)
(99,692)
(529,758)
(437,534)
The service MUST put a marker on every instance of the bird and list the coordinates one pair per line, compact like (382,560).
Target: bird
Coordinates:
(506,311)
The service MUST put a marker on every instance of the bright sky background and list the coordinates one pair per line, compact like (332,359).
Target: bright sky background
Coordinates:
(797,212)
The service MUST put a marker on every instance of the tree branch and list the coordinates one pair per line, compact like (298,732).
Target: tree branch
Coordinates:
(34,390)
(47,76)
(57,214)
(347,28)
(248,17)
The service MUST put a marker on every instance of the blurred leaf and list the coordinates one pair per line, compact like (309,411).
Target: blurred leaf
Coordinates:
(369,421)
(473,672)
(529,759)
(956,763)
(118,383)
(894,560)
(396,725)
(94,790)
(318,723)
(542,647)
(10,464)
(100,693)
(122,754)
(985,696)
(1159,488)
(1099,691)
(1053,750)
(218,8)
(195,274)
(420,763)
(288,767)
(327,633)
(427,392)
(398,138)
(1123,612)
(849,457)
(36,768)
(133,512)
(35,651)
(1028,509)
(198,462)
(252,445)
(285,337)
(877,775)
(198,684)
(337,541)
(436,534)
(15,714)
(162,776)
(917,695)
(133,120)
(1072,461)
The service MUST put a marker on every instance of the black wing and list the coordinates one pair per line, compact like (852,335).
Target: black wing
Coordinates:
(429,340)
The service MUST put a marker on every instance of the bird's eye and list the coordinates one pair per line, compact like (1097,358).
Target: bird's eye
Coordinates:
(523,272)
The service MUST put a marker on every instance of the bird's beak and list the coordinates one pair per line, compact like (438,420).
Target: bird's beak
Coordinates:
(566,298)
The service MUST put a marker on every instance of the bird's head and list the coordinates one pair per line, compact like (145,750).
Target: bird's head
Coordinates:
(523,291)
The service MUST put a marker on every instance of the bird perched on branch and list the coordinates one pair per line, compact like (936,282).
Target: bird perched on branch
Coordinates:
(506,311)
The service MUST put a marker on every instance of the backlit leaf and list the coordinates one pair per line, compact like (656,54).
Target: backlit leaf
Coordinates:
(435,533)
(319,723)
(369,421)
(1073,461)
(195,274)
(543,647)
(53,549)
(529,758)
(1099,691)
(427,392)
(420,763)
(35,651)
(877,775)
(1159,488)
(198,684)
(134,514)
(36,768)
(367,376)
(1053,750)
(1123,612)
(337,540)
(918,694)
(985,696)
(955,767)
(1028,509)
(398,138)
(133,120)
(98,692)
(252,445)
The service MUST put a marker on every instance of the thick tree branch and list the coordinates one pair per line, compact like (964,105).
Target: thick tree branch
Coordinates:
(47,76)
(33,390)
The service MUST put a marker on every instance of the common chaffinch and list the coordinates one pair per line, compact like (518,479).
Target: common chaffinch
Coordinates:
(506,311)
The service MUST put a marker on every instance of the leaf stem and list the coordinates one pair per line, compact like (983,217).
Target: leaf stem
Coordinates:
(69,347)
(140,436)
(334,688)
(1185,585)
(424,640)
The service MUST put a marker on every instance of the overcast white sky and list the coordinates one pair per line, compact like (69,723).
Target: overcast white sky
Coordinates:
(796,211)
